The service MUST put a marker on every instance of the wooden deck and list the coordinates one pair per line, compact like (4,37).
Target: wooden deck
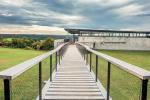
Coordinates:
(73,80)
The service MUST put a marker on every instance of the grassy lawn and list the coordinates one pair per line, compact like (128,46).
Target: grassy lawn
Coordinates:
(124,86)
(10,57)
(24,87)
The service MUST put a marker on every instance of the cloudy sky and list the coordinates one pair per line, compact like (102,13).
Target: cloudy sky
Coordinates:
(59,14)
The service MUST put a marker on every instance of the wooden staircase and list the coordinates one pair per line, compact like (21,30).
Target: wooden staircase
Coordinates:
(73,80)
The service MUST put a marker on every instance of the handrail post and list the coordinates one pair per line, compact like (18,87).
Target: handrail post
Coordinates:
(40,80)
(96,68)
(86,57)
(59,57)
(108,80)
(144,89)
(6,89)
(90,61)
(56,61)
(50,68)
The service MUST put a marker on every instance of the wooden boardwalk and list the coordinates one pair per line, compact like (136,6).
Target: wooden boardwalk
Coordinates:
(73,80)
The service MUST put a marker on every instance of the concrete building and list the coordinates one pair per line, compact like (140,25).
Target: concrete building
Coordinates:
(113,40)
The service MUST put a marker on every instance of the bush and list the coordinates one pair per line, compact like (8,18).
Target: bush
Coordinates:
(21,43)
(36,45)
(28,43)
(43,44)
(47,44)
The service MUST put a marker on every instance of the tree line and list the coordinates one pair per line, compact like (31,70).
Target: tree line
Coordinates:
(27,43)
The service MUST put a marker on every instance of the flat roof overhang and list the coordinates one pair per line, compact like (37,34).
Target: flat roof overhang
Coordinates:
(77,31)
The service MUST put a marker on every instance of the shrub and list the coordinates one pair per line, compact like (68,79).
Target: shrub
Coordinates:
(28,43)
(47,44)
(36,45)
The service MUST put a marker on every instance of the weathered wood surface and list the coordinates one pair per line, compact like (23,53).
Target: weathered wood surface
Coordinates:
(72,80)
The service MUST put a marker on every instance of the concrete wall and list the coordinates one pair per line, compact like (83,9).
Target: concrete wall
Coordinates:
(117,43)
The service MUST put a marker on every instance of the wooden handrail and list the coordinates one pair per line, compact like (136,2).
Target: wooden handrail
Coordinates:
(132,69)
(17,70)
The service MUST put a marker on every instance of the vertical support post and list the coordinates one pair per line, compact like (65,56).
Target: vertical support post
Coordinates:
(56,61)
(144,89)
(73,38)
(59,57)
(86,57)
(108,80)
(40,81)
(96,68)
(6,89)
(61,54)
(90,61)
(50,68)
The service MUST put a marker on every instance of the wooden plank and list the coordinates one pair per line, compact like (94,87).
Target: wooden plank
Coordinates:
(72,90)
(75,78)
(75,93)
(74,98)
(68,86)
(73,81)
(75,84)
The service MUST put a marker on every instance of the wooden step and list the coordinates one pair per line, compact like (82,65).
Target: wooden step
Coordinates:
(73,97)
(73,80)
(75,93)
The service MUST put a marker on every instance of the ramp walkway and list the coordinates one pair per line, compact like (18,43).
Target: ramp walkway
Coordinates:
(73,80)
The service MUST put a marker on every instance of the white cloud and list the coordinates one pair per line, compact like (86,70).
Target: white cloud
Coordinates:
(51,15)
(5,14)
(32,30)
(140,27)
(129,10)
(118,2)
(104,2)
(14,2)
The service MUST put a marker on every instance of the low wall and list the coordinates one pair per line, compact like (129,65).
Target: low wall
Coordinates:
(116,43)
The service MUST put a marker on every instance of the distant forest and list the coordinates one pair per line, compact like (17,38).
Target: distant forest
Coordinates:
(35,36)
(30,41)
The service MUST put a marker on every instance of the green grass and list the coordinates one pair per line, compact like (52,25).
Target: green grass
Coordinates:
(24,87)
(7,39)
(124,86)
(139,58)
(10,57)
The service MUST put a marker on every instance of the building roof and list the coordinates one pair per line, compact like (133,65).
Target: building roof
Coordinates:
(77,31)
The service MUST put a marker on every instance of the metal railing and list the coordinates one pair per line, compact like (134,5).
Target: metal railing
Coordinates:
(14,72)
(138,72)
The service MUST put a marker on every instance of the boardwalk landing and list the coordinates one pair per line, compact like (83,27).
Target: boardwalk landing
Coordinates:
(72,80)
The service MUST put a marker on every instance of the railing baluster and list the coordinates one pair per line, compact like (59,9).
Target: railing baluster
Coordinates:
(108,80)
(56,61)
(61,52)
(144,90)
(96,68)
(40,80)
(6,89)
(90,61)
(86,57)
(50,68)
(59,57)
